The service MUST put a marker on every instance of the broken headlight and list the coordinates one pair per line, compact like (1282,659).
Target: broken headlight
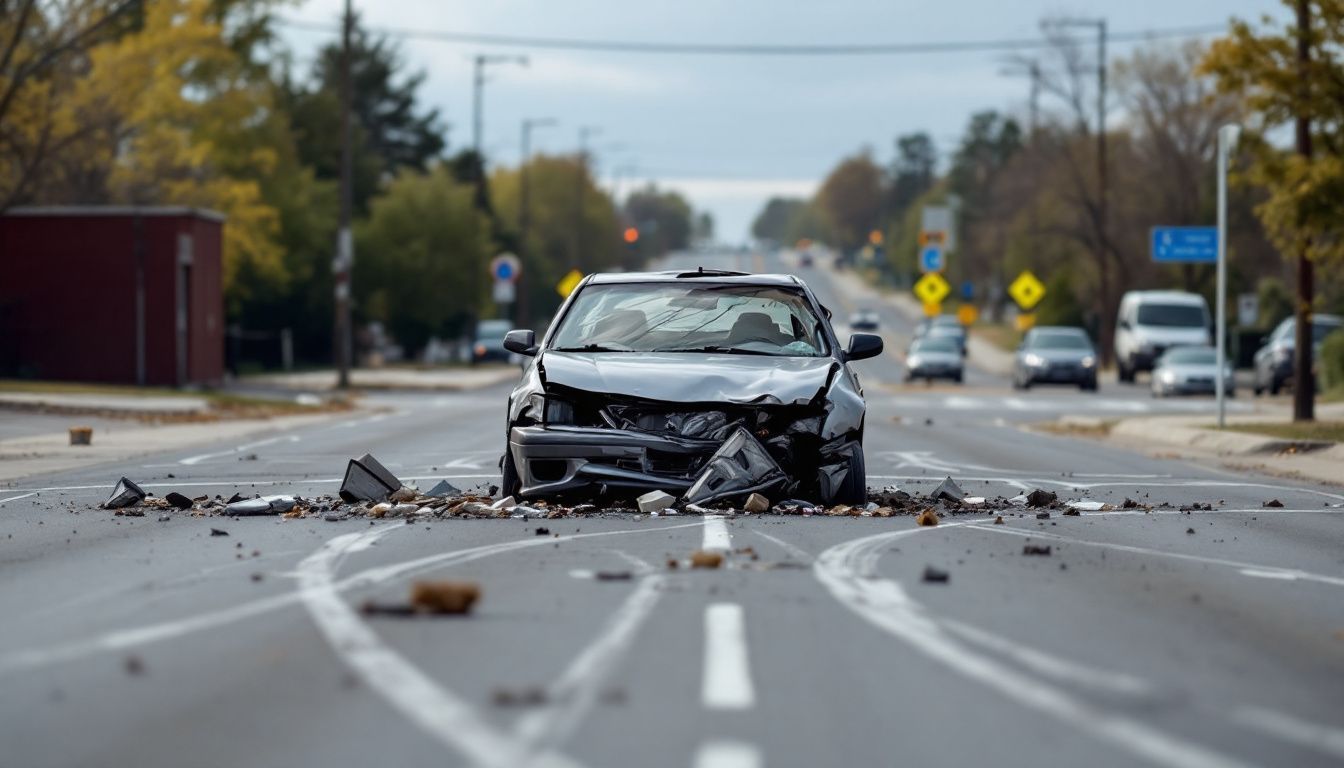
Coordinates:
(550,409)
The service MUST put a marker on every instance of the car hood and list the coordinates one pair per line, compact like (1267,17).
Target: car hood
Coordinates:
(942,358)
(688,377)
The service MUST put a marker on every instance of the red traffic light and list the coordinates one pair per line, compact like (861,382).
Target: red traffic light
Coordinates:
(631,235)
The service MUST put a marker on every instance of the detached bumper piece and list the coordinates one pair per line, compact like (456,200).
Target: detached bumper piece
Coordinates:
(564,459)
(740,466)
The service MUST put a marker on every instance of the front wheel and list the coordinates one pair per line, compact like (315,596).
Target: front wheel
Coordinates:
(854,488)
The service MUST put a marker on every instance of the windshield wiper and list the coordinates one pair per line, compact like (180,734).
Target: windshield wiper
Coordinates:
(590,348)
(719,349)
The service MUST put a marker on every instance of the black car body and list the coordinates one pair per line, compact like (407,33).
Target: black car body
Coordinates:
(488,346)
(643,377)
(1055,355)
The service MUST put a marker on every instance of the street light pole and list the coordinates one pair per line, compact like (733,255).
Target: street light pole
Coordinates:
(524,208)
(482,61)
(1227,139)
(345,249)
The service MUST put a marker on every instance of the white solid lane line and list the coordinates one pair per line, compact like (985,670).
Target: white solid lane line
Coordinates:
(727,676)
(721,753)
(16,498)
(716,534)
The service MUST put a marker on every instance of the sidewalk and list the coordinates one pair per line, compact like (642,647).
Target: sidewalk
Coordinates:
(982,353)
(130,404)
(427,379)
(1195,435)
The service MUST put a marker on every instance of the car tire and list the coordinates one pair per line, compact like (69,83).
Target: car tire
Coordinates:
(957,378)
(1125,373)
(854,490)
(509,482)
(1088,386)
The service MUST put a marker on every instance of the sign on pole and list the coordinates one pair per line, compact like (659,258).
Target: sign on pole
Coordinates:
(1185,245)
(931,258)
(937,221)
(967,314)
(569,282)
(1026,290)
(506,268)
(504,293)
(1248,309)
(932,289)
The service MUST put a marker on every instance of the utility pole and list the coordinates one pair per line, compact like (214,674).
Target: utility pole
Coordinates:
(482,61)
(524,210)
(580,177)
(1227,140)
(345,249)
(1304,383)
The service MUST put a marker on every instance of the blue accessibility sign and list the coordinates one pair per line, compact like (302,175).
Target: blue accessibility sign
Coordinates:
(1185,245)
(931,259)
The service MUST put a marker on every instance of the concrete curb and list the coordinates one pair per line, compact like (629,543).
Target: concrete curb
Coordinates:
(449,380)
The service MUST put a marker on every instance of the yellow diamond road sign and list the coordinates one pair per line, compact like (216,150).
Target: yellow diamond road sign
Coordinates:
(569,282)
(932,288)
(1026,290)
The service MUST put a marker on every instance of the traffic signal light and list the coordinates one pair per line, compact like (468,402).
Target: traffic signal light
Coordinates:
(631,235)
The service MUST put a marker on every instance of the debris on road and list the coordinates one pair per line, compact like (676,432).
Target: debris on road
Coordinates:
(262,505)
(125,494)
(532,696)
(367,480)
(443,489)
(934,575)
(928,517)
(508,502)
(218,532)
(403,494)
(756,503)
(1087,505)
(444,597)
(998,520)
(1042,515)
(1041,498)
(134,665)
(1036,550)
(1272,503)
(81,435)
(655,501)
(705,559)
(613,575)
(542,531)
(948,490)
(1190,531)
(178,500)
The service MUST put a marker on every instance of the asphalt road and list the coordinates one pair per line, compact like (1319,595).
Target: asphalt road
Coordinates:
(1171,639)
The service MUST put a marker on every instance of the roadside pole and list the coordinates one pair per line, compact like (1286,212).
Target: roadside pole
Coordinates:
(1227,138)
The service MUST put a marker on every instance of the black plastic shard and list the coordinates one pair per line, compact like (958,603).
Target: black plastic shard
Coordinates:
(124,495)
(178,500)
(740,466)
(442,489)
(949,490)
(367,480)
(1040,498)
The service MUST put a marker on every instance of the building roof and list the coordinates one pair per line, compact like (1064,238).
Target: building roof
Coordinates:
(115,210)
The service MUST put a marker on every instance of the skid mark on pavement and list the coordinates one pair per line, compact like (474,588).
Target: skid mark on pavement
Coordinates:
(847,571)
(1260,571)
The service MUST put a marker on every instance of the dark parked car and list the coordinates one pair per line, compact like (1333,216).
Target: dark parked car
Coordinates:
(489,342)
(1274,360)
(1055,354)
(865,320)
(705,384)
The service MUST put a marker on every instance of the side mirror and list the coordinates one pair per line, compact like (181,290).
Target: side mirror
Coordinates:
(522,342)
(863,346)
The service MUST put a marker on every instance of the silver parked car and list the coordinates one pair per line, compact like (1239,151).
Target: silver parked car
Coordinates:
(1274,361)
(1055,354)
(934,357)
(1190,371)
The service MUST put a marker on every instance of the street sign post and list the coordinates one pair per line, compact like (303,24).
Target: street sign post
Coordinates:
(1026,290)
(932,288)
(967,314)
(506,268)
(931,258)
(1248,309)
(1184,245)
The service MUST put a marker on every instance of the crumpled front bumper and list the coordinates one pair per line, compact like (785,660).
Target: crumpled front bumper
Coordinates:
(557,459)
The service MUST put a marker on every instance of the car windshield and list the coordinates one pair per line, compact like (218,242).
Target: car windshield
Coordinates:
(944,344)
(1172,315)
(1058,341)
(1191,356)
(680,317)
(946,331)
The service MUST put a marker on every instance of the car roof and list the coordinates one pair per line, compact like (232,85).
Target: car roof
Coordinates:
(1171,297)
(689,276)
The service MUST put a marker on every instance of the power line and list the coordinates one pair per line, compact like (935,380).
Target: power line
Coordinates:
(741,49)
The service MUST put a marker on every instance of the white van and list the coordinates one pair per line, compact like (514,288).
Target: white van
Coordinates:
(1150,322)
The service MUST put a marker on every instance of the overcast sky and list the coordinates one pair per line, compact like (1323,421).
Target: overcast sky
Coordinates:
(730,131)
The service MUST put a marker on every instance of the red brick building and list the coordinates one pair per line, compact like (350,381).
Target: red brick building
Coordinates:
(112,294)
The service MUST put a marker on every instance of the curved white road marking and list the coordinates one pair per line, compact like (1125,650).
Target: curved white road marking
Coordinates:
(722,753)
(1322,738)
(193,460)
(1261,571)
(847,571)
(122,639)
(16,498)
(438,712)
(726,681)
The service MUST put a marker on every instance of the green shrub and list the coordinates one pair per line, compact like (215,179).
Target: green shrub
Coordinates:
(1332,360)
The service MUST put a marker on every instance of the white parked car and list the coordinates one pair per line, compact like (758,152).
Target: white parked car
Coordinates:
(1191,371)
(1151,322)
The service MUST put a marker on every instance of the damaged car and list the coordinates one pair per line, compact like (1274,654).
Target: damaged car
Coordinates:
(709,385)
